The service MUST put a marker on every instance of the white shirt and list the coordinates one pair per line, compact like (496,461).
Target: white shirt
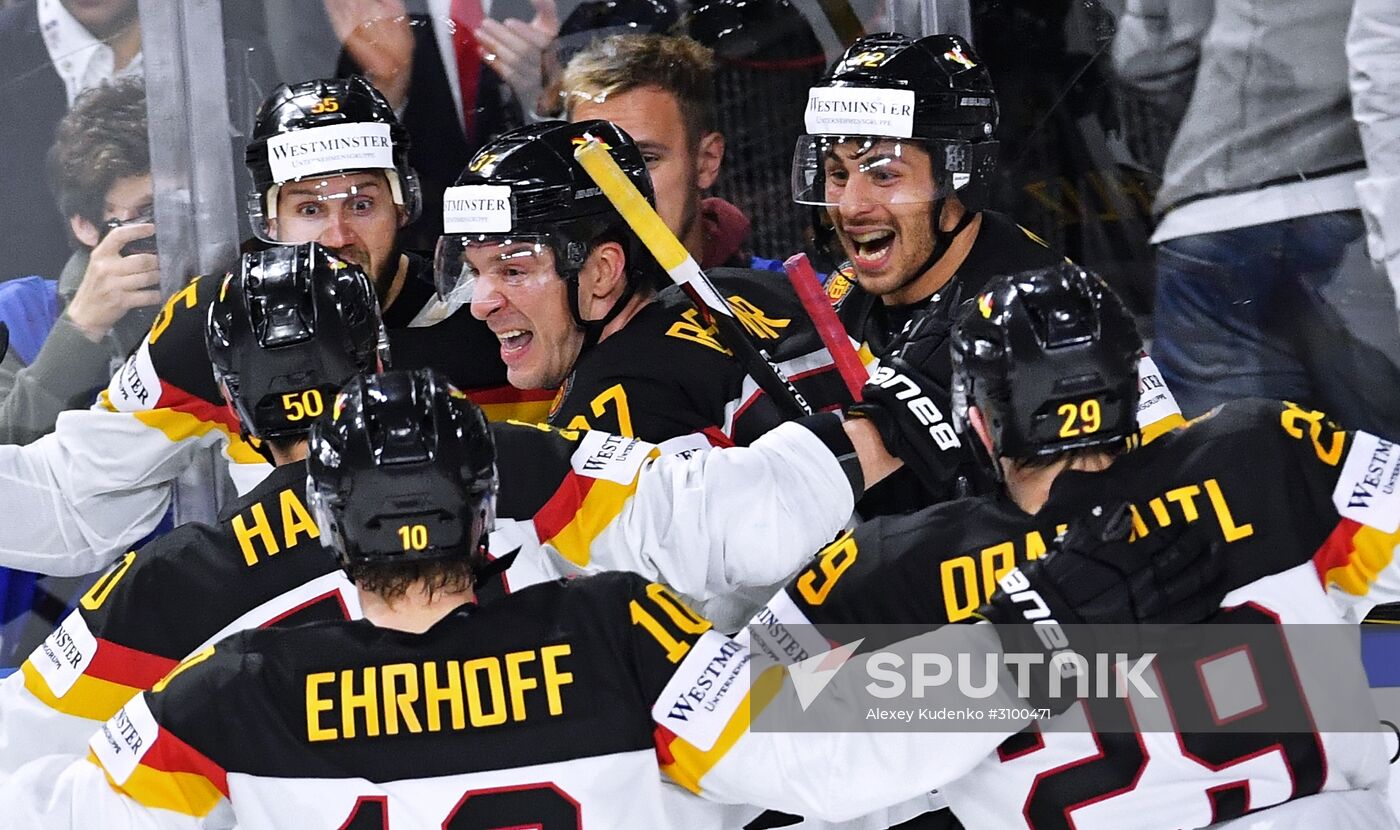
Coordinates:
(81,60)
(1261,207)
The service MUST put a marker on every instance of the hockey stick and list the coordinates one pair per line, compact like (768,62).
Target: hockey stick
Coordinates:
(828,325)
(685,272)
(843,19)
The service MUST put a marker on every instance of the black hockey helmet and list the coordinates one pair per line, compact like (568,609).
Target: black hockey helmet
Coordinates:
(287,330)
(323,128)
(770,35)
(596,19)
(1050,358)
(894,92)
(404,470)
(932,92)
(525,188)
(953,98)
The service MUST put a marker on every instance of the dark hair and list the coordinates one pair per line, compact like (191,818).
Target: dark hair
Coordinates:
(1112,450)
(390,581)
(672,63)
(100,140)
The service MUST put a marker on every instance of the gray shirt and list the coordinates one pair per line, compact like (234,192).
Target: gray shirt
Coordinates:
(64,373)
(1270,103)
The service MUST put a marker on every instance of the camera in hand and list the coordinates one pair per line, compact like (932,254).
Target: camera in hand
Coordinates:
(144,245)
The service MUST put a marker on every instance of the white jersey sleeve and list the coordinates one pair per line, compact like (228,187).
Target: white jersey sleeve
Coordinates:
(59,793)
(709,523)
(723,749)
(31,728)
(103,478)
(86,492)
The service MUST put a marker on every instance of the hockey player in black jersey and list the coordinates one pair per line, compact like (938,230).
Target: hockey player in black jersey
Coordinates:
(899,152)
(329,163)
(283,334)
(553,707)
(899,155)
(1045,387)
(574,298)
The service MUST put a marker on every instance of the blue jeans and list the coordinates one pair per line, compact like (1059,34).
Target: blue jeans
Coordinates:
(1289,310)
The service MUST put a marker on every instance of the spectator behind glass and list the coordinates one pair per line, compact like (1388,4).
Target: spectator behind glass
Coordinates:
(456,77)
(590,22)
(1263,284)
(766,58)
(100,168)
(50,52)
(661,90)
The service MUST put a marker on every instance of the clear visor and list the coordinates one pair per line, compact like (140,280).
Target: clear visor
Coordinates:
(313,196)
(829,170)
(465,264)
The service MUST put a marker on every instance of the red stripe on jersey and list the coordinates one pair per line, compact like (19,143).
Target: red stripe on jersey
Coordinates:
(663,738)
(743,407)
(717,437)
(331,594)
(759,393)
(171,754)
(173,397)
(1336,551)
(117,663)
(563,506)
(507,394)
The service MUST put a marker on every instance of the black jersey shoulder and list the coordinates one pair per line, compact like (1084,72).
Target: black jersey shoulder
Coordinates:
(660,376)
(1256,476)
(676,376)
(316,692)
(532,461)
(188,585)
(1003,247)
(929,567)
(459,345)
(176,344)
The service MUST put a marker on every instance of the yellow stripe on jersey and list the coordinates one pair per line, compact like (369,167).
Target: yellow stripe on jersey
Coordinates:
(90,697)
(689,764)
(1161,426)
(1371,552)
(866,356)
(178,426)
(598,508)
(187,793)
(531,412)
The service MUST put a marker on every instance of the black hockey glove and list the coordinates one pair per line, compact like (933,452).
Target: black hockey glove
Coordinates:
(910,409)
(1093,576)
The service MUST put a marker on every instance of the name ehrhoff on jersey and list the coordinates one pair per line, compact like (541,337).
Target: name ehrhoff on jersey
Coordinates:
(436,696)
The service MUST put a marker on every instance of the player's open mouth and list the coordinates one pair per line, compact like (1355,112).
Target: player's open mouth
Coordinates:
(513,342)
(872,248)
